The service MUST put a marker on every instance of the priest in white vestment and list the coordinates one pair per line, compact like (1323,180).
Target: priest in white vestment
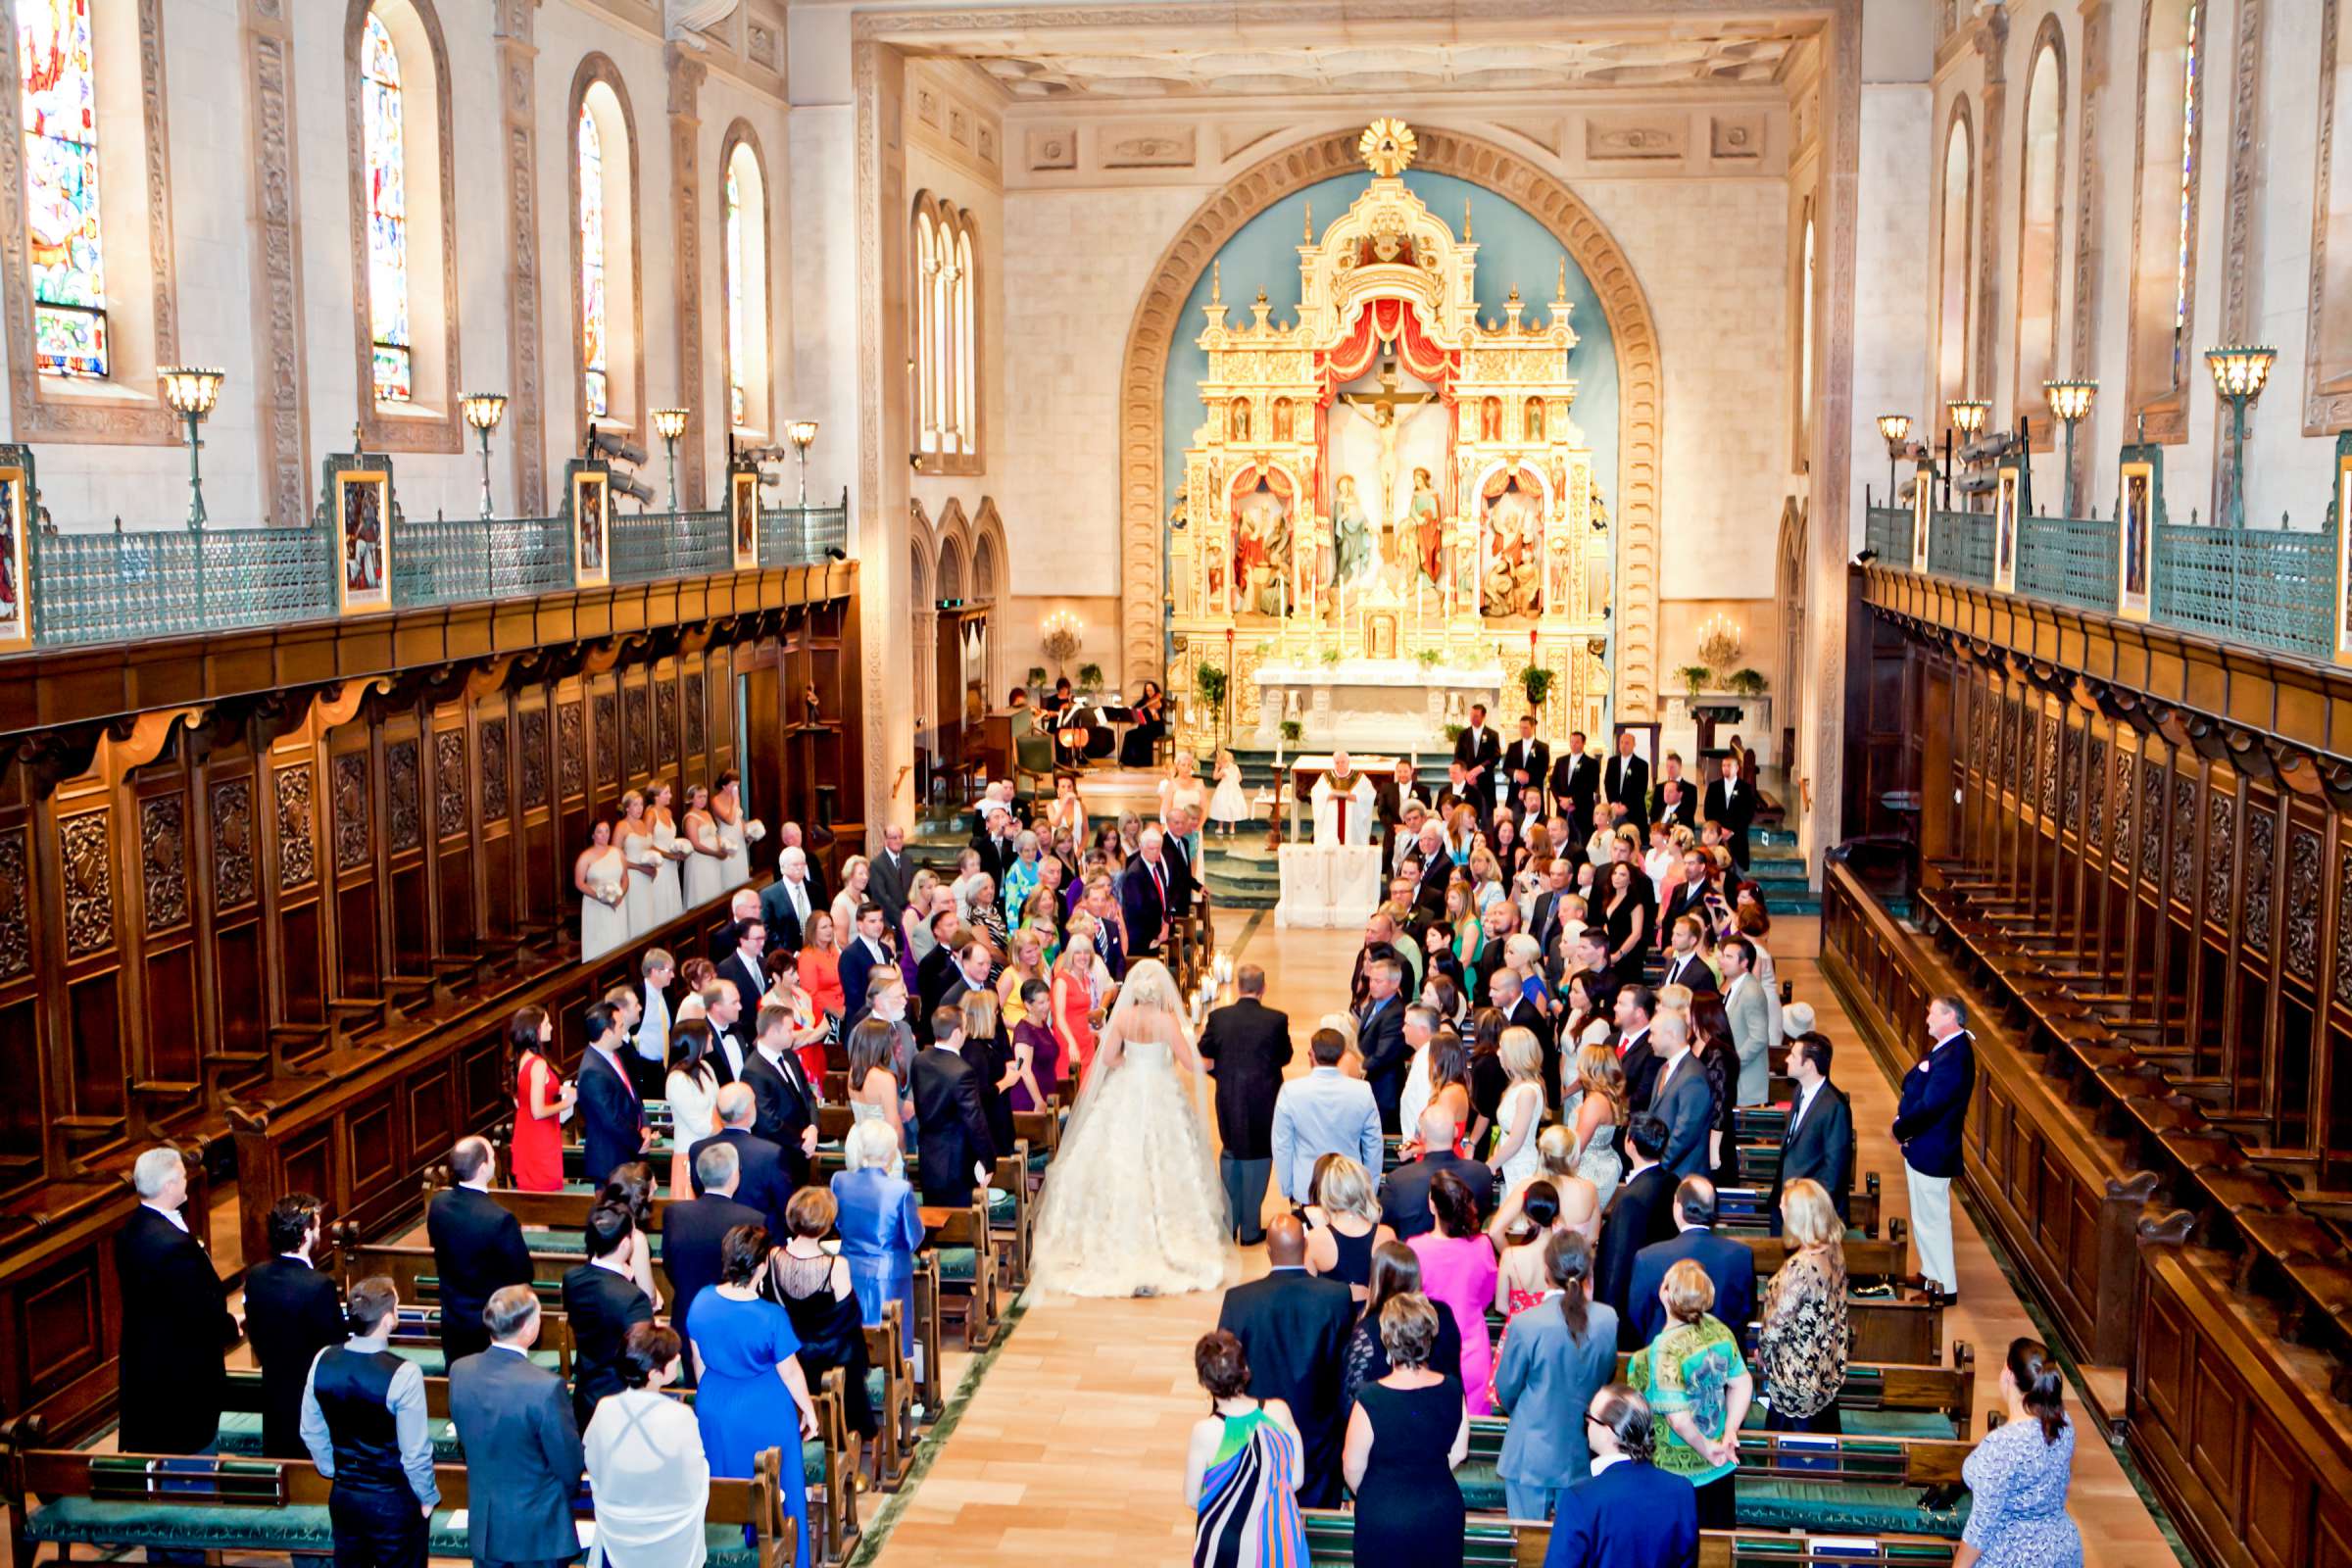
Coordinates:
(1344,802)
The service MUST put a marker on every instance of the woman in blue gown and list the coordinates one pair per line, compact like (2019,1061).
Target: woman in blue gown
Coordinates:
(880,1225)
(751,1395)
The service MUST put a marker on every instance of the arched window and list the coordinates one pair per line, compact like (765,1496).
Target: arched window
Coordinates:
(964,355)
(385,155)
(923,331)
(2327,384)
(744,263)
(1954,254)
(595,315)
(943,332)
(2042,232)
(2163,276)
(1804,345)
(55,58)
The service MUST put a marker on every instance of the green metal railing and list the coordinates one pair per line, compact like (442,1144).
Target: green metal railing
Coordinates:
(2272,588)
(650,546)
(113,587)
(803,536)
(449,562)
(2068,561)
(1960,545)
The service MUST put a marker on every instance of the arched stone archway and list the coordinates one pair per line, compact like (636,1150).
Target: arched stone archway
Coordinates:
(1159,316)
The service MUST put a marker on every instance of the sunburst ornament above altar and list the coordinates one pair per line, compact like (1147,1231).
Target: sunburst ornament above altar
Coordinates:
(1388,146)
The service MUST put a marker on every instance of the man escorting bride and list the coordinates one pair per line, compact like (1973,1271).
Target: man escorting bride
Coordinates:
(1133,1205)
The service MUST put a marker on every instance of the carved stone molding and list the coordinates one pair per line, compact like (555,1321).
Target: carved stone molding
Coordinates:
(687,72)
(349,803)
(2087,266)
(39,409)
(526,397)
(16,905)
(85,862)
(1158,317)
(2163,404)
(233,844)
(164,862)
(282,411)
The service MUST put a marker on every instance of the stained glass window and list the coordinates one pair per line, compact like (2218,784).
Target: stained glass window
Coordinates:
(59,112)
(387,211)
(593,321)
(2190,67)
(733,225)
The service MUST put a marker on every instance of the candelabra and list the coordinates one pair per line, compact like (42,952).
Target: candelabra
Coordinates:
(1061,636)
(190,393)
(1719,643)
(669,424)
(2069,404)
(2238,375)
(483,410)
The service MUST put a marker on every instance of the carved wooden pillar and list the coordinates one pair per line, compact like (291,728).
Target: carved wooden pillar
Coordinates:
(686,74)
(281,381)
(526,412)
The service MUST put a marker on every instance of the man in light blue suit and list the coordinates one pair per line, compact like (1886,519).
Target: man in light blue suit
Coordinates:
(1749,1012)
(1630,1514)
(1325,1112)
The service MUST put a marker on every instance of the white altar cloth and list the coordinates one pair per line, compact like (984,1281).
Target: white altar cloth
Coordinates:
(1328,885)
(1367,704)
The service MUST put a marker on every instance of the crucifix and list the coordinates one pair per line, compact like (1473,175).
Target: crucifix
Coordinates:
(1382,408)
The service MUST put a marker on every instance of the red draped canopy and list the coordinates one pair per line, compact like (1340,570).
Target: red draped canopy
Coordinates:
(1387,321)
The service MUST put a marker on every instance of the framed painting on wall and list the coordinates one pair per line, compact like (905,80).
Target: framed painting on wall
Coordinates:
(15,594)
(362,505)
(2004,531)
(2135,542)
(743,494)
(2343,554)
(591,528)
(1923,517)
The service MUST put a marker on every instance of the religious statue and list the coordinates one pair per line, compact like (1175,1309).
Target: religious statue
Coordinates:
(1428,527)
(1241,418)
(1282,419)
(1533,418)
(1344,801)
(1261,551)
(1514,527)
(1357,561)
(1382,408)
(1490,419)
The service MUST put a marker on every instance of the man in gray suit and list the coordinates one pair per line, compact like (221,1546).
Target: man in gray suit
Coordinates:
(889,875)
(523,1460)
(1681,1097)
(1558,1354)
(1325,1112)
(1743,1002)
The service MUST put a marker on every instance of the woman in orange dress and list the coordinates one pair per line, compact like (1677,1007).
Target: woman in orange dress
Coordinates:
(1072,1018)
(821,965)
(541,1098)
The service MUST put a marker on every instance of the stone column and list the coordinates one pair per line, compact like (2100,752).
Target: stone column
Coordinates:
(879,530)
(687,72)
(2091,63)
(518,152)
(281,411)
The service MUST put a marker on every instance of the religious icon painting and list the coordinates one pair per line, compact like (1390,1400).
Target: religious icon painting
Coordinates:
(2004,531)
(2135,543)
(591,528)
(743,494)
(16,607)
(362,505)
(2343,558)
(1923,519)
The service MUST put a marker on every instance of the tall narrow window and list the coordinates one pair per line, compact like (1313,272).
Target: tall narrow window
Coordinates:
(59,112)
(593,319)
(922,330)
(2160,359)
(387,153)
(966,332)
(733,227)
(745,283)
(2040,231)
(2186,236)
(1805,348)
(1953,263)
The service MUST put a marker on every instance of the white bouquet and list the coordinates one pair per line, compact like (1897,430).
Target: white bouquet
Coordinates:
(754,831)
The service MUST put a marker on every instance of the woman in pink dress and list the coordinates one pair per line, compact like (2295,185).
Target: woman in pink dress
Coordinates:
(1458,1272)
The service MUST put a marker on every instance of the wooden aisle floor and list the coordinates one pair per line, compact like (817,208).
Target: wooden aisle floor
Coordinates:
(1071,1452)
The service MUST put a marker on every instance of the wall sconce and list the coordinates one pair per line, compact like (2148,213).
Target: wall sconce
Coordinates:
(483,410)
(1718,642)
(803,435)
(1060,635)
(2069,404)
(669,424)
(1895,429)
(2238,375)
(190,393)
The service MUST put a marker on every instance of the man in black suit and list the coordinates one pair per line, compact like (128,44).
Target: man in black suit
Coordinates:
(1730,1266)
(988,840)
(1589,955)
(1575,787)
(1507,995)
(1436,872)
(522,1443)
(1245,1046)
(1685,965)
(937,971)
(364,1423)
(292,1312)
(1559,882)
(176,1319)
(790,837)
(1641,1212)
(1480,751)
(967,972)
(951,1142)
(1637,1053)
(1626,781)
(1146,896)
(612,1128)
(1678,806)
(1294,1326)
(1463,789)
(786,1114)
(761,1181)
(477,1248)
(867,952)
(1732,800)
(1380,1036)
(1690,894)
(692,1230)
(601,1300)
(744,967)
(730,1045)
(1819,1143)
(1404,1191)
(1392,795)
(746,905)
(1529,760)
(890,875)
(787,903)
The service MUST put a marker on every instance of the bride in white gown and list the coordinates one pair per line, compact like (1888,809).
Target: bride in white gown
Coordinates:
(1132,1204)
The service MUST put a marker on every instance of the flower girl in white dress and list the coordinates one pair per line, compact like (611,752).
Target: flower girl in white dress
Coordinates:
(1229,805)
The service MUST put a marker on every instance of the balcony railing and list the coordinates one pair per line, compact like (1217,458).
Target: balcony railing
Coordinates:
(2068,561)
(127,585)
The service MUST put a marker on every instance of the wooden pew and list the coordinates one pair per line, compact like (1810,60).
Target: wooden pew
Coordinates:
(1905,1329)
(1521,1544)
(968,1258)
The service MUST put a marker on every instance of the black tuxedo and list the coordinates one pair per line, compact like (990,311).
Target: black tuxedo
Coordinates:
(523,1457)
(1641,1212)
(478,1251)
(612,1117)
(995,854)
(1480,748)
(857,966)
(720,1067)
(1183,883)
(1819,1146)
(761,1182)
(1246,1045)
(1388,800)
(1404,1191)
(1436,875)
(691,1233)
(1480,801)
(1146,905)
(1627,779)
(175,1328)
(1640,1061)
(1380,1039)
(292,1312)
(1688,897)
(934,977)
(751,985)
(601,1305)
(1681,812)
(786,1108)
(1531,758)
(1576,780)
(951,1127)
(1294,1326)
(1692,971)
(1736,810)
(887,880)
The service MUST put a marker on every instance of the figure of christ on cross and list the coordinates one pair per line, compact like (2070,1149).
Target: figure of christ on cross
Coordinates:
(1386,409)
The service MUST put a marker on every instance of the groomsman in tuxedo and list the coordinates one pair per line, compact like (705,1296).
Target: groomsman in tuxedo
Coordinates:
(1245,1046)
(731,1050)
(787,1106)
(1575,787)
(1930,1124)
(1626,782)
(1678,806)
(890,875)
(1462,788)
(744,968)
(1732,800)
(760,1180)
(1480,751)
(1685,965)
(477,1248)
(1819,1143)
(1529,760)
(1380,1037)
(612,1127)
(292,1312)
(1390,796)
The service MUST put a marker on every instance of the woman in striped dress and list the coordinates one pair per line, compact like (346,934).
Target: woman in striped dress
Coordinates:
(1242,1471)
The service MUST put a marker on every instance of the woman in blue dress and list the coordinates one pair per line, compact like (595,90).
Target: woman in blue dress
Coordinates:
(751,1395)
(2018,1476)
(880,1225)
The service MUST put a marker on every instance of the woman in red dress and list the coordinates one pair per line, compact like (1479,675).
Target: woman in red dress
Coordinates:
(541,1099)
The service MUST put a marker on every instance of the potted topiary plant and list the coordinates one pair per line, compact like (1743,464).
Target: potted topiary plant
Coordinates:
(1453,732)
(1209,684)
(1536,681)
(1694,677)
(1748,683)
(1329,656)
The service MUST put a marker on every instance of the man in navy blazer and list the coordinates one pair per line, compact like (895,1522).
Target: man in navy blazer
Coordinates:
(1404,1191)
(1730,1267)
(1630,1514)
(1929,1125)
(692,1230)
(863,954)
(1147,892)
(1380,1037)
(612,1129)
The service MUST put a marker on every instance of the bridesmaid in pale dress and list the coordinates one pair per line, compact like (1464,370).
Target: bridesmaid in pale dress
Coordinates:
(705,864)
(598,874)
(636,838)
(670,898)
(734,833)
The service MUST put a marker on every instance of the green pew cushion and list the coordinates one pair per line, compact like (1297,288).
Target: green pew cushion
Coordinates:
(1039,1159)
(955,1265)
(1001,1209)
(241,1437)
(1898,1424)
(157,1522)
(813,1462)
(876,1387)
(1482,1485)
(429,1361)
(1843,1508)
(572,1244)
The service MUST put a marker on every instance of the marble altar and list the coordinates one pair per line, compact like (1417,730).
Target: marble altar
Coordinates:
(1393,705)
